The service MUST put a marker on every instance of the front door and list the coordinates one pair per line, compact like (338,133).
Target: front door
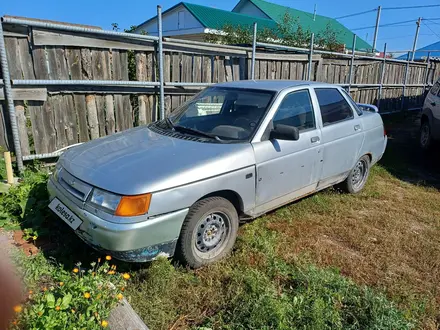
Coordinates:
(285,167)
(342,135)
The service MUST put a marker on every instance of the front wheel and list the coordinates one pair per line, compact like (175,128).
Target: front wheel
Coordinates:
(358,176)
(208,232)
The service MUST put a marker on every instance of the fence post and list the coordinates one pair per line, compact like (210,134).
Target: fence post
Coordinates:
(254,49)
(10,100)
(404,82)
(376,29)
(382,74)
(350,74)
(160,58)
(426,82)
(309,72)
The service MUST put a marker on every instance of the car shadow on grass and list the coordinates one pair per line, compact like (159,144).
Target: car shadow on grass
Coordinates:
(404,158)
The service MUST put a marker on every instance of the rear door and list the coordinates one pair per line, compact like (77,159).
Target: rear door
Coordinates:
(342,135)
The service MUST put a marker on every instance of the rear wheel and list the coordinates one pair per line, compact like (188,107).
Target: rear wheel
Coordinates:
(425,136)
(358,176)
(208,232)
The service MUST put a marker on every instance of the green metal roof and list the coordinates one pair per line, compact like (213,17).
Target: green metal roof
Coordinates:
(214,18)
(277,12)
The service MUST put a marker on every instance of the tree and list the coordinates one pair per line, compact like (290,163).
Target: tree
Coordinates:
(288,32)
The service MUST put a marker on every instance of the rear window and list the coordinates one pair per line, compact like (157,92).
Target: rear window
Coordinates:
(435,89)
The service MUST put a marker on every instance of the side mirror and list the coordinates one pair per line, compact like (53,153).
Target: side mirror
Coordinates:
(284,132)
(367,107)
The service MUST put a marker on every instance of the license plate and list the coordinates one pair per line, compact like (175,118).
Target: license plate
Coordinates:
(64,213)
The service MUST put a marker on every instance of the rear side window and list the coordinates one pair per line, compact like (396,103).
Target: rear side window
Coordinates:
(296,110)
(334,107)
(435,89)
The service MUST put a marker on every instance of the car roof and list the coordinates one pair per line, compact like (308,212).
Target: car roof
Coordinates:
(272,85)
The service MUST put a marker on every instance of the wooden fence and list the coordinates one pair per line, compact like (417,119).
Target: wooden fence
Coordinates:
(53,116)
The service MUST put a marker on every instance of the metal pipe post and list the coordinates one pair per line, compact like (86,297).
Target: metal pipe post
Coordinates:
(382,74)
(416,37)
(254,50)
(350,74)
(426,83)
(10,100)
(160,57)
(404,83)
(376,29)
(309,72)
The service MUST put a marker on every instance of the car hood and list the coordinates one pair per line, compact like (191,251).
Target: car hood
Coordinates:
(139,160)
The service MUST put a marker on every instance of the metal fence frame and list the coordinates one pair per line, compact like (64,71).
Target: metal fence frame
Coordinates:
(7,83)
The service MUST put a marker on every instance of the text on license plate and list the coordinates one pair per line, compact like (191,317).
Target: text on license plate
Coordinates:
(64,213)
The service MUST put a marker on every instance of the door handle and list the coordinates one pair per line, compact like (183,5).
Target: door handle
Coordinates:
(433,104)
(357,127)
(314,139)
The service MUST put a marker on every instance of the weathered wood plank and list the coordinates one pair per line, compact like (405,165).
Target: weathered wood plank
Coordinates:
(207,69)
(50,38)
(109,114)
(176,68)
(21,126)
(23,94)
(167,67)
(228,67)
(285,70)
(5,134)
(119,113)
(40,65)
(118,74)
(40,135)
(13,56)
(92,116)
(26,63)
(79,101)
(197,68)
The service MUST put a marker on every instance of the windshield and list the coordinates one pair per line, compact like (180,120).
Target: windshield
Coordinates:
(222,113)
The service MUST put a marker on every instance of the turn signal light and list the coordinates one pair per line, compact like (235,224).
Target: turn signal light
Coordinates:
(130,206)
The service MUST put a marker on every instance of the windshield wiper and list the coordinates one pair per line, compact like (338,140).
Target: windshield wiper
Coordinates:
(169,123)
(196,132)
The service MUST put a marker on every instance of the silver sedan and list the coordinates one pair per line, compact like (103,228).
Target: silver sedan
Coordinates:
(235,151)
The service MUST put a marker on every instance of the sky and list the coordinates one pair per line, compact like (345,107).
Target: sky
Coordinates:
(126,13)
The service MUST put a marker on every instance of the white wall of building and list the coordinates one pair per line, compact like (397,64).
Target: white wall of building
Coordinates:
(248,8)
(178,21)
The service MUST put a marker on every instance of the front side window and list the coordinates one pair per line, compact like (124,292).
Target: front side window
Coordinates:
(334,107)
(353,103)
(296,110)
(230,114)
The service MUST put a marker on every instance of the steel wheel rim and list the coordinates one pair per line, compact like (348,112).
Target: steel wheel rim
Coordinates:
(212,234)
(424,135)
(359,174)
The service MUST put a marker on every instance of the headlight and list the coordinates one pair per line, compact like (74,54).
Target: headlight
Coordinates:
(105,200)
(124,206)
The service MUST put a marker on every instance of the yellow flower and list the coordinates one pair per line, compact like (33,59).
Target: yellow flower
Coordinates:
(99,259)
(98,296)
(15,323)
(122,289)
(57,308)
(96,314)
(104,323)
(75,270)
(111,272)
(87,295)
(73,311)
(44,289)
(40,313)
(126,276)
(108,258)
(18,308)
(34,238)
(31,292)
(61,283)
(120,296)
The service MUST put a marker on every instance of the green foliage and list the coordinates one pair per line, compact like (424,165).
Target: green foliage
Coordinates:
(26,204)
(277,296)
(288,32)
(59,299)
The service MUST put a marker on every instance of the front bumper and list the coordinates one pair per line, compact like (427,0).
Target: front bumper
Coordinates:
(136,242)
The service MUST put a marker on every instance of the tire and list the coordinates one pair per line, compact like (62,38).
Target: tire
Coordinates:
(208,232)
(358,176)
(425,139)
